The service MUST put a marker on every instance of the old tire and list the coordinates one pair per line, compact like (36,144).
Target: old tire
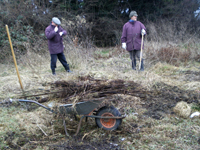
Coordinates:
(108,124)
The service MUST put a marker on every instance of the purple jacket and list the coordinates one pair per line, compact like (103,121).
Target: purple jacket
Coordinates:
(131,35)
(55,41)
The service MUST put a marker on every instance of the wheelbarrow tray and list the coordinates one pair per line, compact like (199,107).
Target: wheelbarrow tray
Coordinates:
(81,108)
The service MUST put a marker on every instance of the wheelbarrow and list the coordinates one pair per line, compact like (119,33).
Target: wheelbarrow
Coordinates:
(106,117)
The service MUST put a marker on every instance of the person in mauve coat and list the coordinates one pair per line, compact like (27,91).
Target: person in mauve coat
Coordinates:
(54,34)
(131,38)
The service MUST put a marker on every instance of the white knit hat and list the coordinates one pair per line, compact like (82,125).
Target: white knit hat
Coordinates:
(133,13)
(56,20)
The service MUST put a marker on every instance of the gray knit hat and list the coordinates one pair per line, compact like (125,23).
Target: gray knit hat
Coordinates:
(56,20)
(132,13)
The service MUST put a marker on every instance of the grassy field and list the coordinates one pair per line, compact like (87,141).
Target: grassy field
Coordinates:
(150,122)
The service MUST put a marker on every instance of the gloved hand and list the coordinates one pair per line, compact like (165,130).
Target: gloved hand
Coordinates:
(56,29)
(143,32)
(124,46)
(61,33)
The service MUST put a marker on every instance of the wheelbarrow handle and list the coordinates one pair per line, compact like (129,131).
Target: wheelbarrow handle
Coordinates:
(32,101)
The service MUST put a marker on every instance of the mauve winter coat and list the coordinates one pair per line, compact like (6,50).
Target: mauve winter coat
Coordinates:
(55,41)
(131,35)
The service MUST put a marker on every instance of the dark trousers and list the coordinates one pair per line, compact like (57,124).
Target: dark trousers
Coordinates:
(133,55)
(61,58)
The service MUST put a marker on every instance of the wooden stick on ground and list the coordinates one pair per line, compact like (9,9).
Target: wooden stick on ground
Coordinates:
(41,130)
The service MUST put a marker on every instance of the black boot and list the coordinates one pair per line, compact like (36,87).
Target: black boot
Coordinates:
(53,71)
(142,65)
(67,69)
(134,64)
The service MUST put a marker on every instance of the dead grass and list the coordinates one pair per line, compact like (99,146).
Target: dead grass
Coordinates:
(137,131)
(31,122)
(182,109)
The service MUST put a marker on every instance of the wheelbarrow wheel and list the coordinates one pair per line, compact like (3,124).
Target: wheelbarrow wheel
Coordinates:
(110,123)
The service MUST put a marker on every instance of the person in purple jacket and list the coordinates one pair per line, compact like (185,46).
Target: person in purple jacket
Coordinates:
(54,34)
(131,38)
